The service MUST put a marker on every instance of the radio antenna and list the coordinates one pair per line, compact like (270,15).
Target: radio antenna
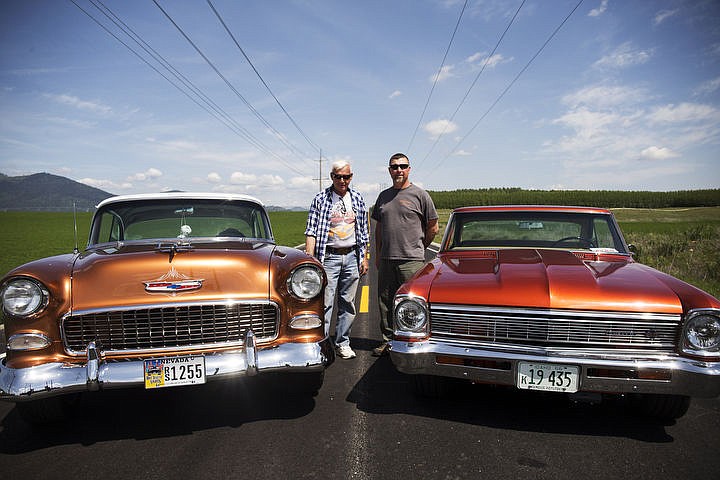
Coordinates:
(75,249)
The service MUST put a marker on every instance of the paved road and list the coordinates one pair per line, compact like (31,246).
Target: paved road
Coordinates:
(365,423)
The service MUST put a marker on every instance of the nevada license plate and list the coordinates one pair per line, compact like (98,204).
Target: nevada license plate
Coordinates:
(548,377)
(174,371)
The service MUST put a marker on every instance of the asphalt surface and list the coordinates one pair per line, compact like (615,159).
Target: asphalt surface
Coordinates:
(365,423)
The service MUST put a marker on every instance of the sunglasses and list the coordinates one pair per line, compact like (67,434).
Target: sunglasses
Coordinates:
(342,177)
(401,166)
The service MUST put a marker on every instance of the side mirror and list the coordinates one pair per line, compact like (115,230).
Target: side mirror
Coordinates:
(634,250)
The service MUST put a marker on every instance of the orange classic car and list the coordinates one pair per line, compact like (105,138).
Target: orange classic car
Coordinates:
(551,299)
(172,289)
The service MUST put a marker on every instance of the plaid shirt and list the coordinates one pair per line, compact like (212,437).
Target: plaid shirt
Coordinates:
(318,222)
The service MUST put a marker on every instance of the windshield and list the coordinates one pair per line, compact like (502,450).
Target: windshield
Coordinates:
(179,218)
(535,230)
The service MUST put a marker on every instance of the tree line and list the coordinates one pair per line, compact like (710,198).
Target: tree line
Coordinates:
(591,198)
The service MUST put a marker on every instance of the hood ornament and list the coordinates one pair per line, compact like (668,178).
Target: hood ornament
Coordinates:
(173,282)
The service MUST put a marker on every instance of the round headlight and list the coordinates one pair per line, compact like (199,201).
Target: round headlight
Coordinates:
(702,334)
(411,315)
(305,282)
(23,297)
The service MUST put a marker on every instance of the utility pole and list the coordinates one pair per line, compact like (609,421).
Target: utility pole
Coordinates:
(320,173)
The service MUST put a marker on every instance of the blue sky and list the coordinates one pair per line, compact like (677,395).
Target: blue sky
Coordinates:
(613,94)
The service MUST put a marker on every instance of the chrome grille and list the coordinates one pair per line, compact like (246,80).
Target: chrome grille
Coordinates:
(170,326)
(555,328)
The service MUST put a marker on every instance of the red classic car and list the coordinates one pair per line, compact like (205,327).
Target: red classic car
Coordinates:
(550,299)
(173,289)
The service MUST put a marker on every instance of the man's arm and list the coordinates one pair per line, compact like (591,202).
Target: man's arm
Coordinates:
(378,242)
(430,231)
(309,245)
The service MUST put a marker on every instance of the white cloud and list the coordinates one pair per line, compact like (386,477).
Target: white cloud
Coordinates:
(658,153)
(685,112)
(149,174)
(271,180)
(708,87)
(480,59)
(79,104)
(302,182)
(626,55)
(439,127)
(663,15)
(603,96)
(395,94)
(107,185)
(444,73)
(238,178)
(462,153)
(596,12)
(214,177)
(587,123)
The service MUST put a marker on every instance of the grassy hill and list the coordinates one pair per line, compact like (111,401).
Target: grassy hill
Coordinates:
(47,192)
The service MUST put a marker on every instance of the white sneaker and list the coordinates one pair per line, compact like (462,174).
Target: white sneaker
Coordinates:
(344,351)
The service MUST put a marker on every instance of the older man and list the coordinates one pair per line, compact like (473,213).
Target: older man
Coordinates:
(337,235)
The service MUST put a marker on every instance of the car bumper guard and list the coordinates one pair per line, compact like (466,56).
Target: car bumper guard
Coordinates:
(608,372)
(32,383)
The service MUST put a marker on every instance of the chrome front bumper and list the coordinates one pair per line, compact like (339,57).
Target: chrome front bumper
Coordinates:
(51,379)
(605,372)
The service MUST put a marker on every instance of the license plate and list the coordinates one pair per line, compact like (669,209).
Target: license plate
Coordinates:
(548,377)
(174,371)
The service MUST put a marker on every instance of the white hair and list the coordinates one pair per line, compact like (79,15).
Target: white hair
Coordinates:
(339,165)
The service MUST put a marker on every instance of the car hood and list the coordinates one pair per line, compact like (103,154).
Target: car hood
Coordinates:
(143,274)
(549,279)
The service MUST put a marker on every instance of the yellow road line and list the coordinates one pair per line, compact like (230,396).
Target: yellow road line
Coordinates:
(365,299)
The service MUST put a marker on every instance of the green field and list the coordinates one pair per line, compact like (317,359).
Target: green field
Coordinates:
(682,242)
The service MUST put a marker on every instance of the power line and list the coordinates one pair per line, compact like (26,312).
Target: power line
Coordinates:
(257,114)
(292,120)
(437,76)
(210,107)
(514,80)
(472,85)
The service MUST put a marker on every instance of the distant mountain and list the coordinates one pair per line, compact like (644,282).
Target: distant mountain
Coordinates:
(44,191)
(47,192)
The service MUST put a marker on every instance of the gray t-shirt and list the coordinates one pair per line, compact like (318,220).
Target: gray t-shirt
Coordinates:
(404,215)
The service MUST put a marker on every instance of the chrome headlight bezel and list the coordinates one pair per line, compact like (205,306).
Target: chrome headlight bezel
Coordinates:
(701,333)
(411,317)
(24,342)
(305,282)
(23,297)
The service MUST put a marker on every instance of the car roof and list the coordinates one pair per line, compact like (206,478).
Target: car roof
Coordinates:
(180,196)
(531,208)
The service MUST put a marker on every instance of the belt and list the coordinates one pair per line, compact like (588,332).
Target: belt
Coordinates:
(340,251)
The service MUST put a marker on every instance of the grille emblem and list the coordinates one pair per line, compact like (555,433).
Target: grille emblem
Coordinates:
(173,282)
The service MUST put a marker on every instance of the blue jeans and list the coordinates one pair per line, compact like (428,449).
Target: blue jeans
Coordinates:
(343,279)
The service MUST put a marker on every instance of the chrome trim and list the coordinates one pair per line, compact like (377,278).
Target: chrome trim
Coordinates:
(41,336)
(251,358)
(159,306)
(52,379)
(554,327)
(688,376)
(409,297)
(711,312)
(44,291)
